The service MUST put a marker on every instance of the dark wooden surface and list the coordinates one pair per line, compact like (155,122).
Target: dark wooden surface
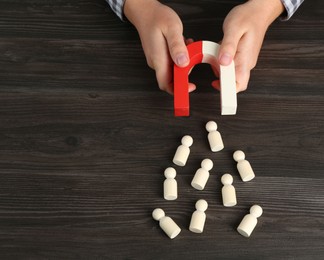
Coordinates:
(85,135)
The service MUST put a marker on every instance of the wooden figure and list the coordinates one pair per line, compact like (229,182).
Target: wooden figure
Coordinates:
(249,222)
(198,218)
(166,223)
(182,153)
(228,191)
(243,166)
(170,187)
(202,174)
(214,137)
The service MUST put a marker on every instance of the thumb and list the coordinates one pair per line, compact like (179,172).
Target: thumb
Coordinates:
(228,48)
(177,46)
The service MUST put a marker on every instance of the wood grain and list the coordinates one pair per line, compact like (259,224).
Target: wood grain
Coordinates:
(85,135)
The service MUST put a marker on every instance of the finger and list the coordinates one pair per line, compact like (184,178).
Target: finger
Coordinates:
(164,77)
(216,84)
(242,78)
(177,46)
(245,61)
(163,66)
(191,87)
(188,41)
(228,47)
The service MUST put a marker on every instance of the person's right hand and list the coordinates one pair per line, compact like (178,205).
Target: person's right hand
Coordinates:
(244,30)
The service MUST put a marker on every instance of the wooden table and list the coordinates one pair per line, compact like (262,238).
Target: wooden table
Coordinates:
(85,136)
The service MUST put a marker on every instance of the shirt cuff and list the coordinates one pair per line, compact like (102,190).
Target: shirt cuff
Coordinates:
(118,8)
(291,7)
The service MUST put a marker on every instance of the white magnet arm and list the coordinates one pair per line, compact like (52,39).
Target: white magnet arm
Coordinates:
(227,78)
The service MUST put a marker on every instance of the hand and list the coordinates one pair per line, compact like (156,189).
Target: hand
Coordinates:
(244,30)
(161,33)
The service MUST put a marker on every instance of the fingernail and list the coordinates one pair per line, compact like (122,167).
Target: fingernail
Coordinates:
(225,59)
(182,59)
